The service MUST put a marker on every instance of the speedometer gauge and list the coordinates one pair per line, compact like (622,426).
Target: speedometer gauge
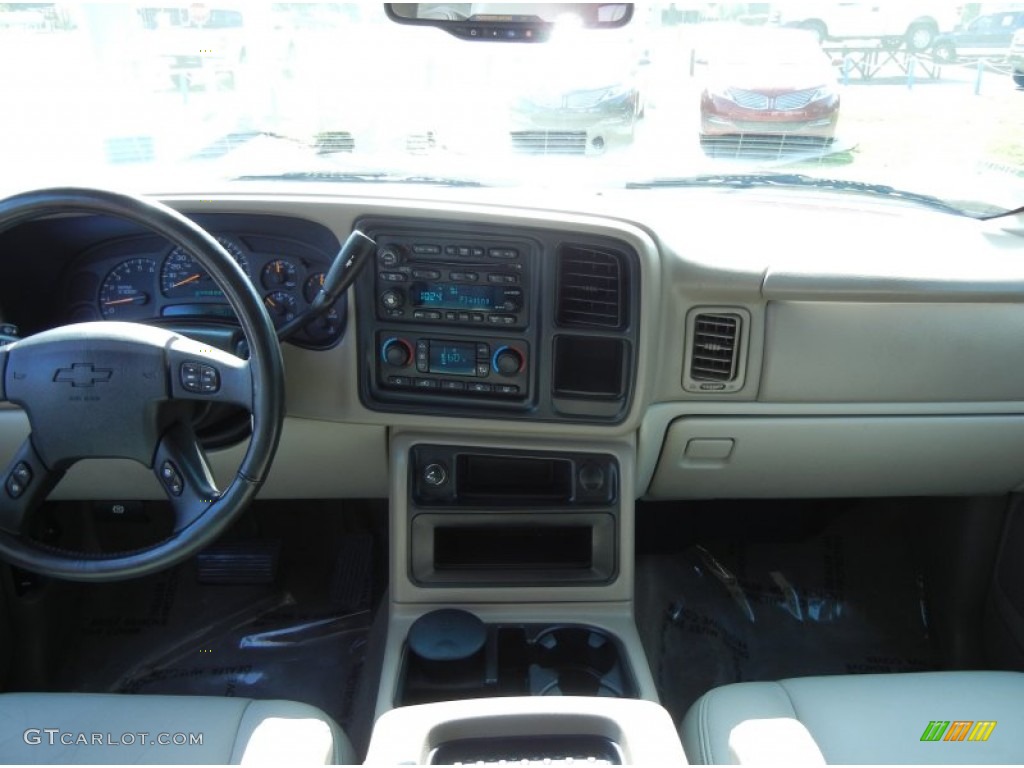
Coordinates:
(183,278)
(126,290)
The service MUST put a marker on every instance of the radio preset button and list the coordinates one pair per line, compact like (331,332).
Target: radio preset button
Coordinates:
(476,317)
(501,319)
(463,317)
(427,249)
(426,314)
(503,253)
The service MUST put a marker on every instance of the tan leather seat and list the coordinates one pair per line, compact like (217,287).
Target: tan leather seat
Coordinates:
(928,717)
(81,728)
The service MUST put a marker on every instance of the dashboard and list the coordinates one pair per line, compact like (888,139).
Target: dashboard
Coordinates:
(661,325)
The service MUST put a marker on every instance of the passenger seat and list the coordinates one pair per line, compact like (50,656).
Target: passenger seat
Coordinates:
(927,717)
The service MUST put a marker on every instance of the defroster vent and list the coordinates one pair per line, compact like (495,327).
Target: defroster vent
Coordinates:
(715,345)
(591,288)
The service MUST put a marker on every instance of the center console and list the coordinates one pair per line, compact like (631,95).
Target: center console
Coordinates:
(497,517)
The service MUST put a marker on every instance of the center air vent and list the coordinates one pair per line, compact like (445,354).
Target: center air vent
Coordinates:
(713,359)
(591,288)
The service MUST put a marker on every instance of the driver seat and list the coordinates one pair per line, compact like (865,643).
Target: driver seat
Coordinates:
(87,728)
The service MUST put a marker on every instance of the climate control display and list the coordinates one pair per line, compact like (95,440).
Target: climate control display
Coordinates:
(446,357)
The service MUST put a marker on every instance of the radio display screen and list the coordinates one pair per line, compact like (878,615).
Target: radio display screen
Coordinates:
(452,358)
(456,296)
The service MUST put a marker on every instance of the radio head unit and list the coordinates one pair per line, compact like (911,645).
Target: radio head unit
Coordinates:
(453,282)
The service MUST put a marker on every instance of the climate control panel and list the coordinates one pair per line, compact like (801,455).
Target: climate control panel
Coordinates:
(453,365)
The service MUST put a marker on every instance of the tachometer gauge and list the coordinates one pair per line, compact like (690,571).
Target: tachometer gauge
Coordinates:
(281,306)
(279,273)
(126,290)
(183,278)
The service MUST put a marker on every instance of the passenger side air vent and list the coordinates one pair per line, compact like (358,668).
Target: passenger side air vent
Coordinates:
(714,356)
(591,288)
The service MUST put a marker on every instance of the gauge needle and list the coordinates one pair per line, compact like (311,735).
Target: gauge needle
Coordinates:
(270,301)
(186,281)
(119,301)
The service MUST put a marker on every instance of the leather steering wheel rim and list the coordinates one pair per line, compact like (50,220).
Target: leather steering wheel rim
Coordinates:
(265,367)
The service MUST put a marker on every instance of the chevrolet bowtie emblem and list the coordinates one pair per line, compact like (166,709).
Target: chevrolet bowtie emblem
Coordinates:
(83,375)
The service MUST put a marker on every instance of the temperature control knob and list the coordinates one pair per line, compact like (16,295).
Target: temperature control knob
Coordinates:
(396,352)
(507,361)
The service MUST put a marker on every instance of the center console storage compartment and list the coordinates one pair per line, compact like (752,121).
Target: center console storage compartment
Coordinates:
(486,517)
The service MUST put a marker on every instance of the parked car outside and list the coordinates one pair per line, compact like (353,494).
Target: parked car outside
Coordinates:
(1016,57)
(916,23)
(580,108)
(779,84)
(987,35)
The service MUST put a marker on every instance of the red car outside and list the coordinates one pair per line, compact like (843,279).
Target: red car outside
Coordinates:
(779,84)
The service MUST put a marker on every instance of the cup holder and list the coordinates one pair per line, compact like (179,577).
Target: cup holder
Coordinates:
(575,661)
(452,654)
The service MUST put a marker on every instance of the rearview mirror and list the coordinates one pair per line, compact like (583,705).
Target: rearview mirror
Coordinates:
(510,22)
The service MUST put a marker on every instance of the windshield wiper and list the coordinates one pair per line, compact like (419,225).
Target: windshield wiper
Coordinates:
(373,177)
(1003,214)
(750,180)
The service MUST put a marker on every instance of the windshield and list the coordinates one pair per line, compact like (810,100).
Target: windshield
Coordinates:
(164,96)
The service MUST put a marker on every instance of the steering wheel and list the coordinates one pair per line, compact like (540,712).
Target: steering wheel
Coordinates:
(104,390)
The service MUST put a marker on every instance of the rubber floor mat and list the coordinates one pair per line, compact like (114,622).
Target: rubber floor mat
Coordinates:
(172,634)
(842,602)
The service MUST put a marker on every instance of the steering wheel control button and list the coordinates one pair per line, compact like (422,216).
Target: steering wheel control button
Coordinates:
(190,376)
(171,478)
(209,379)
(199,378)
(18,480)
(435,474)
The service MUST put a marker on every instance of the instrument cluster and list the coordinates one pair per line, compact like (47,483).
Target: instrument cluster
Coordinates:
(145,279)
